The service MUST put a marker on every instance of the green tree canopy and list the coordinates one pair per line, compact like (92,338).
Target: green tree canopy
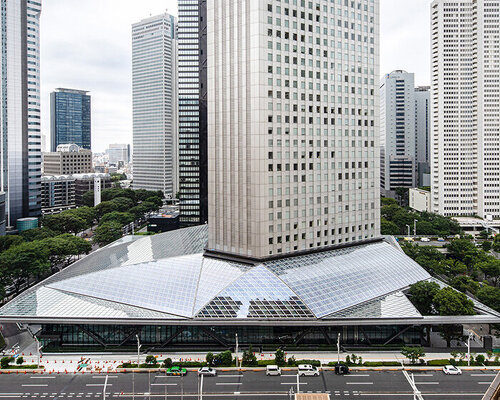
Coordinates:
(38,234)
(422,294)
(8,241)
(107,232)
(388,227)
(122,218)
(465,283)
(64,222)
(491,268)
(490,296)
(448,301)
(88,198)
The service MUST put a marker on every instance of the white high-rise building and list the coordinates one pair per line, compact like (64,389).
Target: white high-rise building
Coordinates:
(466,107)
(422,134)
(154,91)
(293,125)
(20,147)
(398,167)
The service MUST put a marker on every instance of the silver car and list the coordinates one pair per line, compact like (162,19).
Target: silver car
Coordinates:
(207,371)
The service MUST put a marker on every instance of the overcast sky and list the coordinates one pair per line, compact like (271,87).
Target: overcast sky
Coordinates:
(86,44)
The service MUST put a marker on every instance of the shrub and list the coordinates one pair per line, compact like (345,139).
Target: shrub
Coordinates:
(5,361)
(167,363)
(279,357)
(249,359)
(224,359)
(439,363)
(151,360)
(315,363)
(19,360)
(210,358)
(291,362)
(189,364)
(480,359)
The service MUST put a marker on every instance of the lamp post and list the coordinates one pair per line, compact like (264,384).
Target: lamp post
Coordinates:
(236,349)
(138,350)
(408,226)
(38,348)
(338,348)
(415,227)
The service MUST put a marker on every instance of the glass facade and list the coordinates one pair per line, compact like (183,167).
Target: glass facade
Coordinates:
(172,336)
(192,112)
(70,118)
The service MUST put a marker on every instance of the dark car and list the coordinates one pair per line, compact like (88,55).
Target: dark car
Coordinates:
(341,369)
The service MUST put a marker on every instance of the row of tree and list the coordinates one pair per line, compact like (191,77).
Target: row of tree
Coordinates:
(395,219)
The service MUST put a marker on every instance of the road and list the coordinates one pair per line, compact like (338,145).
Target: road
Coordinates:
(367,385)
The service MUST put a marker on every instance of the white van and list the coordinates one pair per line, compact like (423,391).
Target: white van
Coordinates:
(307,370)
(273,370)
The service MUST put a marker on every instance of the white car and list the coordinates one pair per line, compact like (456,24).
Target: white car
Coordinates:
(307,370)
(452,370)
(207,371)
(425,239)
(273,370)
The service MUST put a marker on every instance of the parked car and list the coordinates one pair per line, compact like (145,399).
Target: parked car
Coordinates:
(408,239)
(308,370)
(425,239)
(207,371)
(273,370)
(176,371)
(441,240)
(452,370)
(341,369)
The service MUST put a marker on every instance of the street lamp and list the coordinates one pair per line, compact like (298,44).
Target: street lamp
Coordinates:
(236,349)
(338,348)
(38,348)
(138,350)
(408,226)
(415,227)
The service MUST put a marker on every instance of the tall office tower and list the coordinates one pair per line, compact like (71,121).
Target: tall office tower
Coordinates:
(466,107)
(70,118)
(398,167)
(154,92)
(20,147)
(293,125)
(422,134)
(192,112)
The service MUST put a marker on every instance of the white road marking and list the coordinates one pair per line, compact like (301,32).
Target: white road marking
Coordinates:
(104,376)
(426,383)
(485,383)
(230,376)
(164,384)
(359,383)
(42,377)
(35,385)
(97,384)
(229,383)
(293,383)
(483,374)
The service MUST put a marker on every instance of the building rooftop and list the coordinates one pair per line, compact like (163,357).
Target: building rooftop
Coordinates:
(166,277)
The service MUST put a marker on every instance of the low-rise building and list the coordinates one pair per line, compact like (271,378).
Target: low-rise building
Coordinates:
(58,193)
(68,159)
(420,199)
(87,182)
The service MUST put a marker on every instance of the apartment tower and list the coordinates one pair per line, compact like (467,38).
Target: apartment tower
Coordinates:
(465,108)
(154,97)
(192,39)
(20,147)
(293,125)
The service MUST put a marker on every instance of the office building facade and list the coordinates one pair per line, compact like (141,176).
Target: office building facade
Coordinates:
(154,92)
(422,134)
(58,193)
(293,126)
(192,112)
(119,152)
(70,118)
(465,108)
(21,156)
(66,160)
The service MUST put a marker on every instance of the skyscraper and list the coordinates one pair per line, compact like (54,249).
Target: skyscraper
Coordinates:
(21,156)
(70,118)
(422,134)
(154,90)
(465,107)
(119,152)
(192,112)
(293,142)
(398,166)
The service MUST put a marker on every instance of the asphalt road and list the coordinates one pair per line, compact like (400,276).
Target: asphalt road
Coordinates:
(368,385)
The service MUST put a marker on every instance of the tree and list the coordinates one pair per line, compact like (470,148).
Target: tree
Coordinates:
(210,358)
(19,360)
(224,359)
(151,360)
(279,357)
(107,232)
(462,250)
(489,296)
(486,246)
(422,294)
(88,214)
(451,332)
(38,234)
(64,223)
(123,218)
(249,359)
(413,353)
(122,204)
(104,208)
(484,234)
(10,240)
(465,284)
(491,269)
(5,361)
(388,227)
(138,211)
(167,363)
(88,198)
(448,301)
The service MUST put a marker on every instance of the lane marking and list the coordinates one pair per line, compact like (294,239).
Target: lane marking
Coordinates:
(484,383)
(164,384)
(230,376)
(104,376)
(356,375)
(426,383)
(483,374)
(293,383)
(229,383)
(42,377)
(35,385)
(359,383)
(96,384)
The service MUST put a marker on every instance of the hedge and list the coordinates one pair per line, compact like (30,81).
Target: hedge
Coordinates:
(381,364)
(439,363)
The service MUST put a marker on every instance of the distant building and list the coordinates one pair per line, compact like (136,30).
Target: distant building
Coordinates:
(154,98)
(419,199)
(3,221)
(164,222)
(119,152)
(20,149)
(70,118)
(58,193)
(68,159)
(25,224)
(85,183)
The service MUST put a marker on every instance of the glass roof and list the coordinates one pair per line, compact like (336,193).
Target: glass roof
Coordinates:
(166,285)
(394,305)
(257,294)
(334,280)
